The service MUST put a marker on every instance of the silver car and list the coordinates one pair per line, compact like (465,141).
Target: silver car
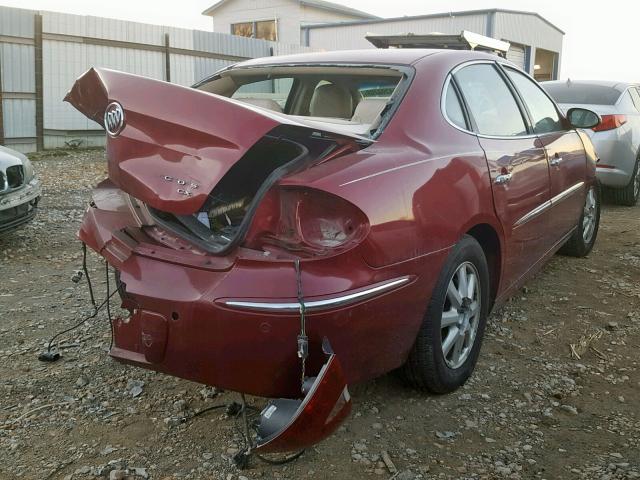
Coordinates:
(617,138)
(20,190)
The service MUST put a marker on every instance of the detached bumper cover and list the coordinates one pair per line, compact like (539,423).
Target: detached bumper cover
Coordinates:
(19,206)
(287,425)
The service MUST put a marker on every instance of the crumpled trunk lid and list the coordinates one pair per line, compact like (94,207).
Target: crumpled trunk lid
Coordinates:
(172,144)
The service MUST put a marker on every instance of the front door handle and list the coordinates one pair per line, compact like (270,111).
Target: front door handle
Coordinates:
(502,179)
(555,161)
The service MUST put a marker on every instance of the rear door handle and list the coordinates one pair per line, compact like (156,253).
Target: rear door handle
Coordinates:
(555,161)
(502,179)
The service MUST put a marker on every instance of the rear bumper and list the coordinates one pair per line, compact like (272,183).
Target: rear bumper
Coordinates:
(19,207)
(613,177)
(232,322)
(617,157)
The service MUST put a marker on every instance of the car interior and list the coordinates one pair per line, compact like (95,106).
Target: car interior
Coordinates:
(348,99)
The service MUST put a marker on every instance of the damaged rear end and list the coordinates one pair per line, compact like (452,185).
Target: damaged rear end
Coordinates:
(192,201)
(196,163)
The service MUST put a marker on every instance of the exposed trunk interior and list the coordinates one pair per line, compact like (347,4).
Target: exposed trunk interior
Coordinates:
(227,213)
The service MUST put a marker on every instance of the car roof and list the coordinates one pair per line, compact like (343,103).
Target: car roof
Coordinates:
(620,86)
(398,56)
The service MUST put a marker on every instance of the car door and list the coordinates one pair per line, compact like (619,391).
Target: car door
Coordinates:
(565,154)
(516,161)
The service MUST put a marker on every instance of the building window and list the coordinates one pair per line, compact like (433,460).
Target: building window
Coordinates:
(265,30)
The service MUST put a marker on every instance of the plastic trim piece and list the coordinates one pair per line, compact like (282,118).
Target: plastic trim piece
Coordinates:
(315,305)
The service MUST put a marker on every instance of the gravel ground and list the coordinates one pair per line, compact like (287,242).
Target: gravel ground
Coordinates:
(532,410)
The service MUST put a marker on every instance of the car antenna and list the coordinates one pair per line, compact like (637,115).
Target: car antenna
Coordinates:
(303,340)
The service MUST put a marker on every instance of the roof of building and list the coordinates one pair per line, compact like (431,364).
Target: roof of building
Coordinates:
(434,15)
(321,4)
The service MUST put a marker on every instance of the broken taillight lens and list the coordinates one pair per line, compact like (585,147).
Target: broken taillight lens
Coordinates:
(306,221)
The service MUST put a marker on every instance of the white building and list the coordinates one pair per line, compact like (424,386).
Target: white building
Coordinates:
(277,20)
(536,44)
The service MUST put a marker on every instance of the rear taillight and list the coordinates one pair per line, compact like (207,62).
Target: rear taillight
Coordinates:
(610,122)
(306,222)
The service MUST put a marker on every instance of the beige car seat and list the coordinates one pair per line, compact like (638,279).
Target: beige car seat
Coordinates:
(368,110)
(331,101)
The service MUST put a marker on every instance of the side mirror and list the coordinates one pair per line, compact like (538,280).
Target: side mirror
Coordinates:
(583,118)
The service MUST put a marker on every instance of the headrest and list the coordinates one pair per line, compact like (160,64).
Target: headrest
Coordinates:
(332,101)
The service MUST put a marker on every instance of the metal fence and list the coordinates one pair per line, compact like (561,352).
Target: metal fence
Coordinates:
(42,53)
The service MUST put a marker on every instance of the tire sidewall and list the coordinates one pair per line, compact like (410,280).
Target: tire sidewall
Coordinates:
(467,250)
(585,248)
(633,195)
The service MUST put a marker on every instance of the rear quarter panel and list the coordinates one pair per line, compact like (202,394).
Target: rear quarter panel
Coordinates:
(422,185)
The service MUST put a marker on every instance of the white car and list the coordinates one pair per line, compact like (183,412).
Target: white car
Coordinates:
(20,190)
(617,138)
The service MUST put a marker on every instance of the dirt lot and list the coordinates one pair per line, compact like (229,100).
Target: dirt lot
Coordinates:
(532,410)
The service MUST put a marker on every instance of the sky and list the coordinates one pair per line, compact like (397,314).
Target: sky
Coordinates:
(601,40)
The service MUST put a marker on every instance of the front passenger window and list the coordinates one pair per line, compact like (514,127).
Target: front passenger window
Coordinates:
(493,107)
(544,115)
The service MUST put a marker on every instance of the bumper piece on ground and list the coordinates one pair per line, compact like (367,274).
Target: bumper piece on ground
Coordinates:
(287,425)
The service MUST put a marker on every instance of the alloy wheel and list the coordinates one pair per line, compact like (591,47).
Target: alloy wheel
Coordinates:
(460,315)
(589,216)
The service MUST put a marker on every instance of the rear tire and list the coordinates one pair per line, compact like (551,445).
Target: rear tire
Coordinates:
(453,324)
(629,195)
(584,236)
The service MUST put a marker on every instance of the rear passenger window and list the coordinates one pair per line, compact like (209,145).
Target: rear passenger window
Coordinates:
(543,112)
(490,101)
(453,107)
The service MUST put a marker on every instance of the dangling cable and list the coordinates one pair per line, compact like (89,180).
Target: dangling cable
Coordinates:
(86,274)
(303,340)
(49,356)
(106,264)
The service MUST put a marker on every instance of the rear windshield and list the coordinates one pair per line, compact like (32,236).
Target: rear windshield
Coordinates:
(353,99)
(582,93)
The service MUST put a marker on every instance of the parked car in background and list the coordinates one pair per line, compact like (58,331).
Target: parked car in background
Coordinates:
(19,190)
(617,138)
(378,203)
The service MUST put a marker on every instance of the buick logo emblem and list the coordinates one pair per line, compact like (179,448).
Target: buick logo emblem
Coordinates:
(114,119)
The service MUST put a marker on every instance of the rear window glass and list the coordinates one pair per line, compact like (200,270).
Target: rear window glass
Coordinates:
(582,94)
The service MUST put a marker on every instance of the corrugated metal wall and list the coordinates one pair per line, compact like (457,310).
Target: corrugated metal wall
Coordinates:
(72,43)
(352,36)
(527,30)
(17,88)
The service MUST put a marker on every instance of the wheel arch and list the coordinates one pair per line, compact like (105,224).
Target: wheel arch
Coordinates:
(489,240)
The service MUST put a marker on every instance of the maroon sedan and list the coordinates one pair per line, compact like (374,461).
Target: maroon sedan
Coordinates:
(292,225)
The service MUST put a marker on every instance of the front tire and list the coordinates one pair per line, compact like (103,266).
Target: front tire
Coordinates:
(584,237)
(629,195)
(448,343)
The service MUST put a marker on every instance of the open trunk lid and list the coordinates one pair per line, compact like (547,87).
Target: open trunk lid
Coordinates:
(169,145)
